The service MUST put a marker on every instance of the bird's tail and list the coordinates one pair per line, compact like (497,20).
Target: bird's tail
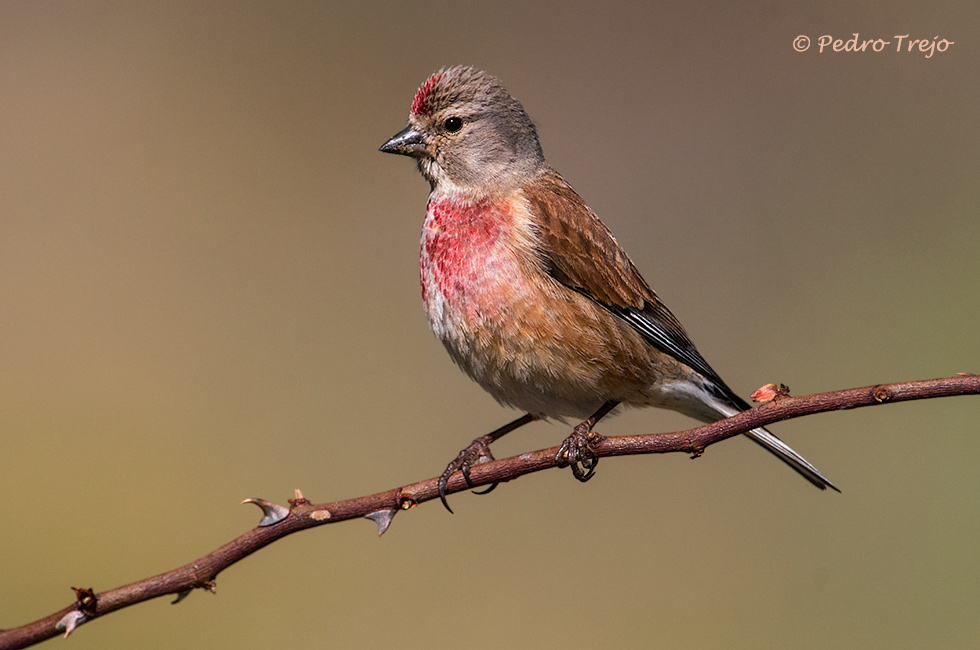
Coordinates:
(777,447)
(710,400)
(716,401)
(787,455)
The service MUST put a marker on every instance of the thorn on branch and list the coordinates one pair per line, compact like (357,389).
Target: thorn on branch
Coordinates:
(382,518)
(181,596)
(70,621)
(272,513)
(86,601)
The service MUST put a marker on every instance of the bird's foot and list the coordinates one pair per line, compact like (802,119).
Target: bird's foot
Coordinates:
(576,451)
(477,453)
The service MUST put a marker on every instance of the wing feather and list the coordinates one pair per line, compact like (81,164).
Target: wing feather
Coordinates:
(581,253)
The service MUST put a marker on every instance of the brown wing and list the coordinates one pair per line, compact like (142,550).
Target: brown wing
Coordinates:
(582,254)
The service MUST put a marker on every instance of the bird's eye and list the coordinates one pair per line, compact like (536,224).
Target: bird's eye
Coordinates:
(453,124)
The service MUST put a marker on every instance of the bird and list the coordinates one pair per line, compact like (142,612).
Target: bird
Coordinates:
(531,294)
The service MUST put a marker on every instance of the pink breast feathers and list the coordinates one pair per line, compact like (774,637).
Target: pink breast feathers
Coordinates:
(468,264)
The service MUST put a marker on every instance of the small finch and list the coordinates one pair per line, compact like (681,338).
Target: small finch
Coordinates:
(530,293)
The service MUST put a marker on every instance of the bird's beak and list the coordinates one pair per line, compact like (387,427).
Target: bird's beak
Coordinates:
(407,142)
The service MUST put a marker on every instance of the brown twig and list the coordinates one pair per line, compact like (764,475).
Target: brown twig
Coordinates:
(382,507)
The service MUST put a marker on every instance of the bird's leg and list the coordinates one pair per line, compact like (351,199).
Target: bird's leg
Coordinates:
(576,451)
(476,453)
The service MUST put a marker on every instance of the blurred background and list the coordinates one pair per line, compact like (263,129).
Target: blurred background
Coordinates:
(209,291)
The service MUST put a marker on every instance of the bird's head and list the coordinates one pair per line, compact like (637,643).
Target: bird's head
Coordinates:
(469,135)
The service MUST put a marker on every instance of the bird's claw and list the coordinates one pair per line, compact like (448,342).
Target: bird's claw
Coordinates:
(576,452)
(477,453)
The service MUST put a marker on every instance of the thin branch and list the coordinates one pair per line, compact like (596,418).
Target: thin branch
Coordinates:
(382,507)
